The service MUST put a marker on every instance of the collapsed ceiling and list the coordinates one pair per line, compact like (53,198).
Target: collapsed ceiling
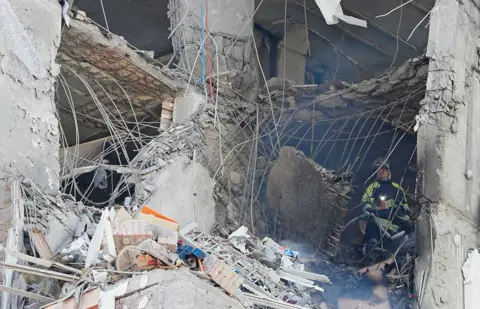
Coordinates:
(359,53)
(111,69)
(110,88)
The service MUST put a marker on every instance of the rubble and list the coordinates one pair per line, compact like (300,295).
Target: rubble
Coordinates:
(94,264)
(184,236)
(104,248)
(385,92)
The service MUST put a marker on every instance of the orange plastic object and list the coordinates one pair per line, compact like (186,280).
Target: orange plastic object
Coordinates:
(148,211)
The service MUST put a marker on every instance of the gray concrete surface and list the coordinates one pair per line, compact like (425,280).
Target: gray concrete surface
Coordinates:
(177,289)
(292,59)
(448,147)
(230,43)
(183,191)
(304,193)
(186,106)
(30,134)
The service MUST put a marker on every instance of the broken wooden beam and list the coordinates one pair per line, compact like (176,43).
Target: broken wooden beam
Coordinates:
(37,297)
(40,272)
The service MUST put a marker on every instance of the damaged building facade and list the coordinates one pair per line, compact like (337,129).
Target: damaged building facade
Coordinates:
(257,118)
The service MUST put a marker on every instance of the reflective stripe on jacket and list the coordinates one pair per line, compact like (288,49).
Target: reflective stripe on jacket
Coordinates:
(381,195)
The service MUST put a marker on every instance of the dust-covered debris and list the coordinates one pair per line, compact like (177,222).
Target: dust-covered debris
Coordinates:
(306,193)
(108,246)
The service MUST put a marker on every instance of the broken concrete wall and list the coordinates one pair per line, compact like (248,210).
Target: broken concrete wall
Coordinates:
(219,140)
(448,147)
(230,25)
(29,40)
(305,194)
(293,52)
(184,191)
(128,87)
(177,289)
(394,95)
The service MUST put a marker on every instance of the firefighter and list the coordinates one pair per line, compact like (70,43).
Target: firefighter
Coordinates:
(386,200)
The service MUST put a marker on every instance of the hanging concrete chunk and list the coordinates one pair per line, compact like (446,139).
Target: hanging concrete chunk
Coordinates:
(186,106)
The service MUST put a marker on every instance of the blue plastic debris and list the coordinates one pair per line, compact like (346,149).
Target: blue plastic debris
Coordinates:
(291,253)
(185,251)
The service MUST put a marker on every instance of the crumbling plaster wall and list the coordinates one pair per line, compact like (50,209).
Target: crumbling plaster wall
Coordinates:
(199,158)
(448,147)
(230,24)
(127,85)
(30,135)
(305,194)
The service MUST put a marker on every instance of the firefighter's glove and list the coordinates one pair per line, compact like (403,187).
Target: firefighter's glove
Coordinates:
(368,212)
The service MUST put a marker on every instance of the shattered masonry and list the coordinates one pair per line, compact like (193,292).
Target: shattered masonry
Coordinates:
(231,42)
(210,149)
(304,194)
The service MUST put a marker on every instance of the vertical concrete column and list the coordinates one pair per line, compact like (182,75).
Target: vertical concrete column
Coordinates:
(293,54)
(449,154)
(30,36)
(230,24)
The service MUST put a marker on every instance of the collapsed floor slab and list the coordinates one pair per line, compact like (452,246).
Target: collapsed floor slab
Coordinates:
(303,194)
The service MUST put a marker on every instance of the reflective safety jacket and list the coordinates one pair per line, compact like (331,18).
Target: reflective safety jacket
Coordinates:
(383,197)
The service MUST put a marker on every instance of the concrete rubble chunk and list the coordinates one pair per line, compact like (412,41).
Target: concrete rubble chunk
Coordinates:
(186,106)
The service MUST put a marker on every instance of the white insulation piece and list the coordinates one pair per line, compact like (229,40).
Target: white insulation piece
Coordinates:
(17,40)
(332,12)
(471,283)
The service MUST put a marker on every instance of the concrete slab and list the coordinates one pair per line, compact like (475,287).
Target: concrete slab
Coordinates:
(185,106)
(182,191)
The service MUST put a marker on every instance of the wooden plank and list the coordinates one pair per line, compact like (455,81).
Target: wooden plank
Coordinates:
(40,272)
(109,241)
(96,242)
(26,294)
(15,238)
(41,245)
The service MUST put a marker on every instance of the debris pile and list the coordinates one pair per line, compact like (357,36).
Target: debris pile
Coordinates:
(104,249)
(61,253)
(267,272)
(395,93)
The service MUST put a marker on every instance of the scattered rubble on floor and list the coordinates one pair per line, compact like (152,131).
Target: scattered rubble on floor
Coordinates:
(125,258)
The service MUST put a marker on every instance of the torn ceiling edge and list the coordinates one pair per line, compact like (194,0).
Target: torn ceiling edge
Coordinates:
(396,95)
(114,72)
